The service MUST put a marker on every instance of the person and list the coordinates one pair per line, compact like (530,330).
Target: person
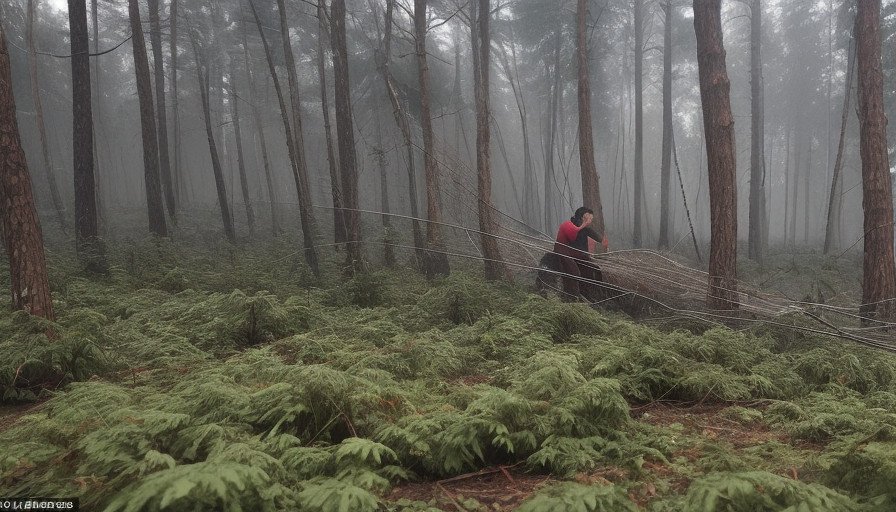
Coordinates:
(576,239)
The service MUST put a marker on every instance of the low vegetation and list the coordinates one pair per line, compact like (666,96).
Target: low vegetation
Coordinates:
(234,380)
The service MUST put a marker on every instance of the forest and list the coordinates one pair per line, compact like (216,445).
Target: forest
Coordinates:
(448,255)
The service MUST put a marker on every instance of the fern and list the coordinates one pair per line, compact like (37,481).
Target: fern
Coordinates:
(572,497)
(332,495)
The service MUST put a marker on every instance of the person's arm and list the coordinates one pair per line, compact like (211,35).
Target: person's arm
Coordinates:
(568,232)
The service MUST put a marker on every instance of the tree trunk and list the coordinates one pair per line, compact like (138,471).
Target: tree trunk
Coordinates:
(220,188)
(388,239)
(879,270)
(308,227)
(401,120)
(98,118)
(590,178)
(90,248)
(155,38)
(177,179)
(806,191)
(436,261)
(240,159)
(832,231)
(666,166)
(346,136)
(718,125)
(19,224)
(639,122)
(495,268)
(756,249)
(550,205)
(259,129)
(339,227)
(39,115)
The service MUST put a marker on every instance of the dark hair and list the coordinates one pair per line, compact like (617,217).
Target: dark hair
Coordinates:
(581,211)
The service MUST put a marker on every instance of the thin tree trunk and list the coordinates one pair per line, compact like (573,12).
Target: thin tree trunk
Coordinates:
(19,224)
(98,117)
(178,180)
(346,136)
(666,166)
(309,225)
(339,227)
(756,249)
(155,38)
(550,205)
(787,187)
(639,122)
(259,130)
(794,186)
(806,192)
(401,120)
(240,159)
(590,178)
(719,132)
(220,188)
(39,114)
(832,231)
(154,205)
(388,239)
(307,220)
(90,249)
(495,268)
(436,261)
(879,269)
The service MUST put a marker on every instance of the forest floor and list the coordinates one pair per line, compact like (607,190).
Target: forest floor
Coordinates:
(230,377)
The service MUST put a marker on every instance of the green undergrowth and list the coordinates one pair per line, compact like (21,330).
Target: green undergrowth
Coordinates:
(235,378)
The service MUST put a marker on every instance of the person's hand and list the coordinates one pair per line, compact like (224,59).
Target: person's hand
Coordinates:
(606,243)
(586,220)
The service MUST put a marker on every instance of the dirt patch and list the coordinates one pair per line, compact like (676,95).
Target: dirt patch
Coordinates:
(10,414)
(498,488)
(709,421)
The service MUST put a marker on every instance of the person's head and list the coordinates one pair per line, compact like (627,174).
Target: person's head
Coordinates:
(584,214)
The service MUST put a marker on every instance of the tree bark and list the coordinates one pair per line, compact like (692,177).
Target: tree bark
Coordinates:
(590,178)
(666,165)
(757,220)
(339,227)
(346,137)
(308,228)
(495,268)
(259,130)
(39,115)
(436,261)
(832,227)
(19,224)
(879,269)
(639,123)
(220,187)
(401,120)
(90,249)
(718,124)
(176,178)
(380,153)
(240,159)
(550,205)
(155,38)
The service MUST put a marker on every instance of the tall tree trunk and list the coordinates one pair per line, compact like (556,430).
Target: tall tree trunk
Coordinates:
(308,227)
(590,178)
(240,159)
(90,248)
(388,239)
(339,227)
(177,179)
(787,185)
(550,205)
(795,184)
(202,74)
(806,191)
(436,261)
(666,166)
(494,263)
(259,130)
(832,227)
(154,205)
(98,118)
(756,249)
(155,38)
(718,125)
(39,115)
(401,120)
(879,269)
(639,122)
(346,136)
(19,224)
